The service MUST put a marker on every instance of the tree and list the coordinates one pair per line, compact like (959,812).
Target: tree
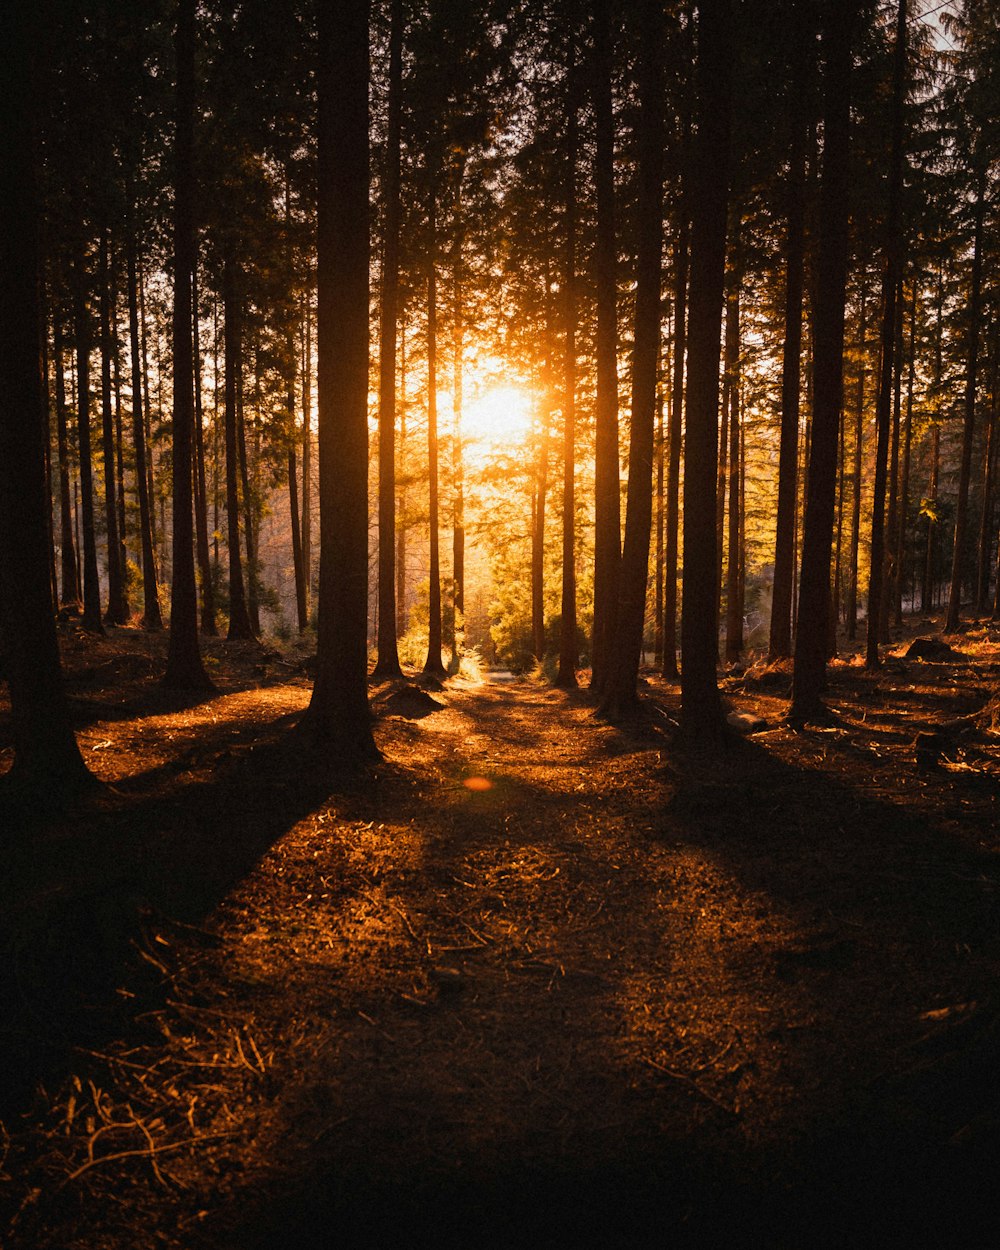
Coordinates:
(701,710)
(811,638)
(47,760)
(607,493)
(338,715)
(620,688)
(891,278)
(184,667)
(387,664)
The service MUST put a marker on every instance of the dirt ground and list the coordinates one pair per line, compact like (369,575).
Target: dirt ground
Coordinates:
(532,981)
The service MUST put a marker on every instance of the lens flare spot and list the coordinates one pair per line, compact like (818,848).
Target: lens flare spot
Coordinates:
(477,783)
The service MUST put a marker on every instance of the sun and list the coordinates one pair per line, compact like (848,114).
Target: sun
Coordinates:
(498,416)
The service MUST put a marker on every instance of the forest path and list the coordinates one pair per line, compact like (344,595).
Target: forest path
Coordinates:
(537,982)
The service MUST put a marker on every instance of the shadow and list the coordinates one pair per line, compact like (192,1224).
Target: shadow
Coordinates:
(80,889)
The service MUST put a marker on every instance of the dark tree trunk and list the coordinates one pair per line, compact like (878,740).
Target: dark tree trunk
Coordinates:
(607,491)
(338,713)
(986,527)
(828,363)
(47,761)
(68,567)
(620,696)
(151,616)
(734,605)
(147,414)
(91,579)
(433,665)
(659,521)
(458,526)
(117,613)
(402,515)
(890,282)
(568,653)
(307,453)
(851,609)
(200,486)
(387,664)
(891,575)
(701,709)
(249,502)
(674,441)
(968,429)
(780,639)
(540,494)
(239,617)
(184,666)
(904,480)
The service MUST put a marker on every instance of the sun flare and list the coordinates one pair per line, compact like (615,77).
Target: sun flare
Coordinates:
(499,416)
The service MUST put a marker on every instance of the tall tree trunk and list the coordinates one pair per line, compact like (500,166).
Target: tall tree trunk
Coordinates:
(780,637)
(458,525)
(249,501)
(387,664)
(117,613)
(338,712)
(91,579)
(659,447)
(47,761)
(568,652)
(151,616)
(969,425)
(891,575)
(904,481)
(119,432)
(239,617)
(307,452)
(828,362)
(701,711)
(433,665)
(540,493)
(200,486)
(734,607)
(986,527)
(890,281)
(402,514)
(147,411)
(851,611)
(674,441)
(68,568)
(607,490)
(184,666)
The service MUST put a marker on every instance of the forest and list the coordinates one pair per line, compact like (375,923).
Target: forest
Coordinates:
(499,623)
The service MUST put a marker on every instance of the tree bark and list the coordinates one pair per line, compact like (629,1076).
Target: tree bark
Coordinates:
(184,666)
(91,579)
(47,761)
(734,606)
(433,665)
(620,697)
(780,638)
(117,613)
(890,282)
(151,616)
(568,652)
(674,441)
(338,713)
(851,609)
(387,664)
(701,709)
(969,425)
(208,625)
(828,361)
(67,553)
(607,490)
(239,616)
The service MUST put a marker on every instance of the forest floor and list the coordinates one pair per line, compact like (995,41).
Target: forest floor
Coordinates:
(532,981)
